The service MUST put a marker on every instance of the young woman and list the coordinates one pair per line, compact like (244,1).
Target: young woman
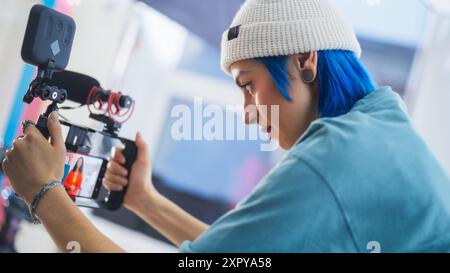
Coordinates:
(357,174)
(74,178)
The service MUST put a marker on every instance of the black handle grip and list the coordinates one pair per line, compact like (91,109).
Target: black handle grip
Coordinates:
(114,199)
(42,126)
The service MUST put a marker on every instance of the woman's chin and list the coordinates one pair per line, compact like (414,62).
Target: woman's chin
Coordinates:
(282,144)
(285,144)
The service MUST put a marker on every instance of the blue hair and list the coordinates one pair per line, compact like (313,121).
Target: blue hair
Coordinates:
(342,78)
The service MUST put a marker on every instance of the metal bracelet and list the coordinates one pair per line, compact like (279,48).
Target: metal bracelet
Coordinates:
(37,198)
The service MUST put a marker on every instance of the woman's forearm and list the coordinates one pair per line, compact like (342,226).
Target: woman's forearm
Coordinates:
(66,223)
(169,219)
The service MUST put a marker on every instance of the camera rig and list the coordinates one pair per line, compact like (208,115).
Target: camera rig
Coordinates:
(78,139)
(47,45)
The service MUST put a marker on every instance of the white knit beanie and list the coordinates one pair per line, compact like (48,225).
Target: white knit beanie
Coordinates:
(264,28)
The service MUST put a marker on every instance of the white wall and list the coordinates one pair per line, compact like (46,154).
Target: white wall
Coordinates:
(13,21)
(428,95)
(102,28)
(399,22)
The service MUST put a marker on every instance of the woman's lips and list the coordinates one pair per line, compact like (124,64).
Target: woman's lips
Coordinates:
(268,131)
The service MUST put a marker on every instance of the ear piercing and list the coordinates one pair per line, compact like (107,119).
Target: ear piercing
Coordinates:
(308,76)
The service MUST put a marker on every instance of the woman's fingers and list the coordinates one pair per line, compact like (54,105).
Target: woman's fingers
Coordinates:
(118,156)
(115,175)
(112,186)
(116,179)
(115,168)
(142,153)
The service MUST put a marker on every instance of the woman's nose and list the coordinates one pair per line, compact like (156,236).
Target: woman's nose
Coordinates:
(250,114)
(250,119)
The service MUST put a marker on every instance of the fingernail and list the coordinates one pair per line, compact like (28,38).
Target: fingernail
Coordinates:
(26,124)
(53,116)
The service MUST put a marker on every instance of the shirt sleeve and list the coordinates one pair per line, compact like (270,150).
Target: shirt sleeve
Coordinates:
(291,210)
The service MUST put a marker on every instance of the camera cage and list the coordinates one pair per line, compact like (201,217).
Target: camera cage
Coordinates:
(76,140)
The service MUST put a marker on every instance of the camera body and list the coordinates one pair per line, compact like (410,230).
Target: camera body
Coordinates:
(48,38)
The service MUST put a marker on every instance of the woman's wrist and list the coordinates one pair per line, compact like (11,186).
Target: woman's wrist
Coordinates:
(147,202)
(39,196)
(30,193)
(55,197)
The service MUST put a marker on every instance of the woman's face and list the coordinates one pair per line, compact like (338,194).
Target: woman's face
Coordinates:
(260,92)
(79,163)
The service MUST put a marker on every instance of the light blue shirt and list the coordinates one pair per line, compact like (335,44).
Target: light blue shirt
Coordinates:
(351,182)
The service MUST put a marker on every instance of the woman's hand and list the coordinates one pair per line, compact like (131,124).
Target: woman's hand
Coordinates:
(33,161)
(139,182)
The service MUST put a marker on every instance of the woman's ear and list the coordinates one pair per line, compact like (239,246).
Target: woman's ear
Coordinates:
(306,64)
